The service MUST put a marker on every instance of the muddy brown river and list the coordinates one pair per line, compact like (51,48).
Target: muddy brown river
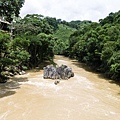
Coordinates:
(86,96)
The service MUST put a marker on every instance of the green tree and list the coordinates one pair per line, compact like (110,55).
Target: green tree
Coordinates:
(4,40)
(40,48)
(32,25)
(10,8)
(53,22)
(18,51)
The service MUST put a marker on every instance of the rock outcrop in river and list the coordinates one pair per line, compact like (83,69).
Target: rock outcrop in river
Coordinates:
(62,72)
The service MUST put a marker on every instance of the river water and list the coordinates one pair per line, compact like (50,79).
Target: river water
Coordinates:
(86,96)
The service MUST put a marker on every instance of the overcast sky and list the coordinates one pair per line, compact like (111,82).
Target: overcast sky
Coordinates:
(71,9)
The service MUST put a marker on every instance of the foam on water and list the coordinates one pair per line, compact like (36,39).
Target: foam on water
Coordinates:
(43,84)
(4,115)
(83,82)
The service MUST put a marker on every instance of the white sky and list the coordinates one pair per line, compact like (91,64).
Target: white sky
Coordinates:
(71,9)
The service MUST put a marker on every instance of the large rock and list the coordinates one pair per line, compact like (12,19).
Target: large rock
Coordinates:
(62,72)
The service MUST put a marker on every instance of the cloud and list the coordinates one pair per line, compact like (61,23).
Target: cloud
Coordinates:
(71,9)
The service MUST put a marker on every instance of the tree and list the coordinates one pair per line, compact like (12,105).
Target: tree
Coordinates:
(32,25)
(40,48)
(10,8)
(99,45)
(52,22)
(4,40)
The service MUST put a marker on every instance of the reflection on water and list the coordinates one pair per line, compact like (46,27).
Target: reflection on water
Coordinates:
(86,96)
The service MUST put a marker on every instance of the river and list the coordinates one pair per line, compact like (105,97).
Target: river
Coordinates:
(86,96)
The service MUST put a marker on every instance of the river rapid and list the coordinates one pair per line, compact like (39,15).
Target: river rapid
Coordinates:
(86,96)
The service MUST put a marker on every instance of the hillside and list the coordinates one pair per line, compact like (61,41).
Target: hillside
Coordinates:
(62,35)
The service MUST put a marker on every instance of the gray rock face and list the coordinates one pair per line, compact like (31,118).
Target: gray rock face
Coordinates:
(62,72)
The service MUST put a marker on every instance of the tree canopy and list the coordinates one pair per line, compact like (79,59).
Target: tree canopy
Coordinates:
(10,8)
(98,45)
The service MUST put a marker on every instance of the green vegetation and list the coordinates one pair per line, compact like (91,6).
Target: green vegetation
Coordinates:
(62,35)
(98,45)
(31,44)
(10,8)
(37,38)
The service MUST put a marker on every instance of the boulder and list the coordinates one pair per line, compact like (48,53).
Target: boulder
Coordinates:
(62,72)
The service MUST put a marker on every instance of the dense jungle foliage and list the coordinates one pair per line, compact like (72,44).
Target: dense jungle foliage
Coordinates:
(98,45)
(36,38)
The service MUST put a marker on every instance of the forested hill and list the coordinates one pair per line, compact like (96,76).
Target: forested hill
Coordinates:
(112,18)
(98,45)
(36,38)
(63,32)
